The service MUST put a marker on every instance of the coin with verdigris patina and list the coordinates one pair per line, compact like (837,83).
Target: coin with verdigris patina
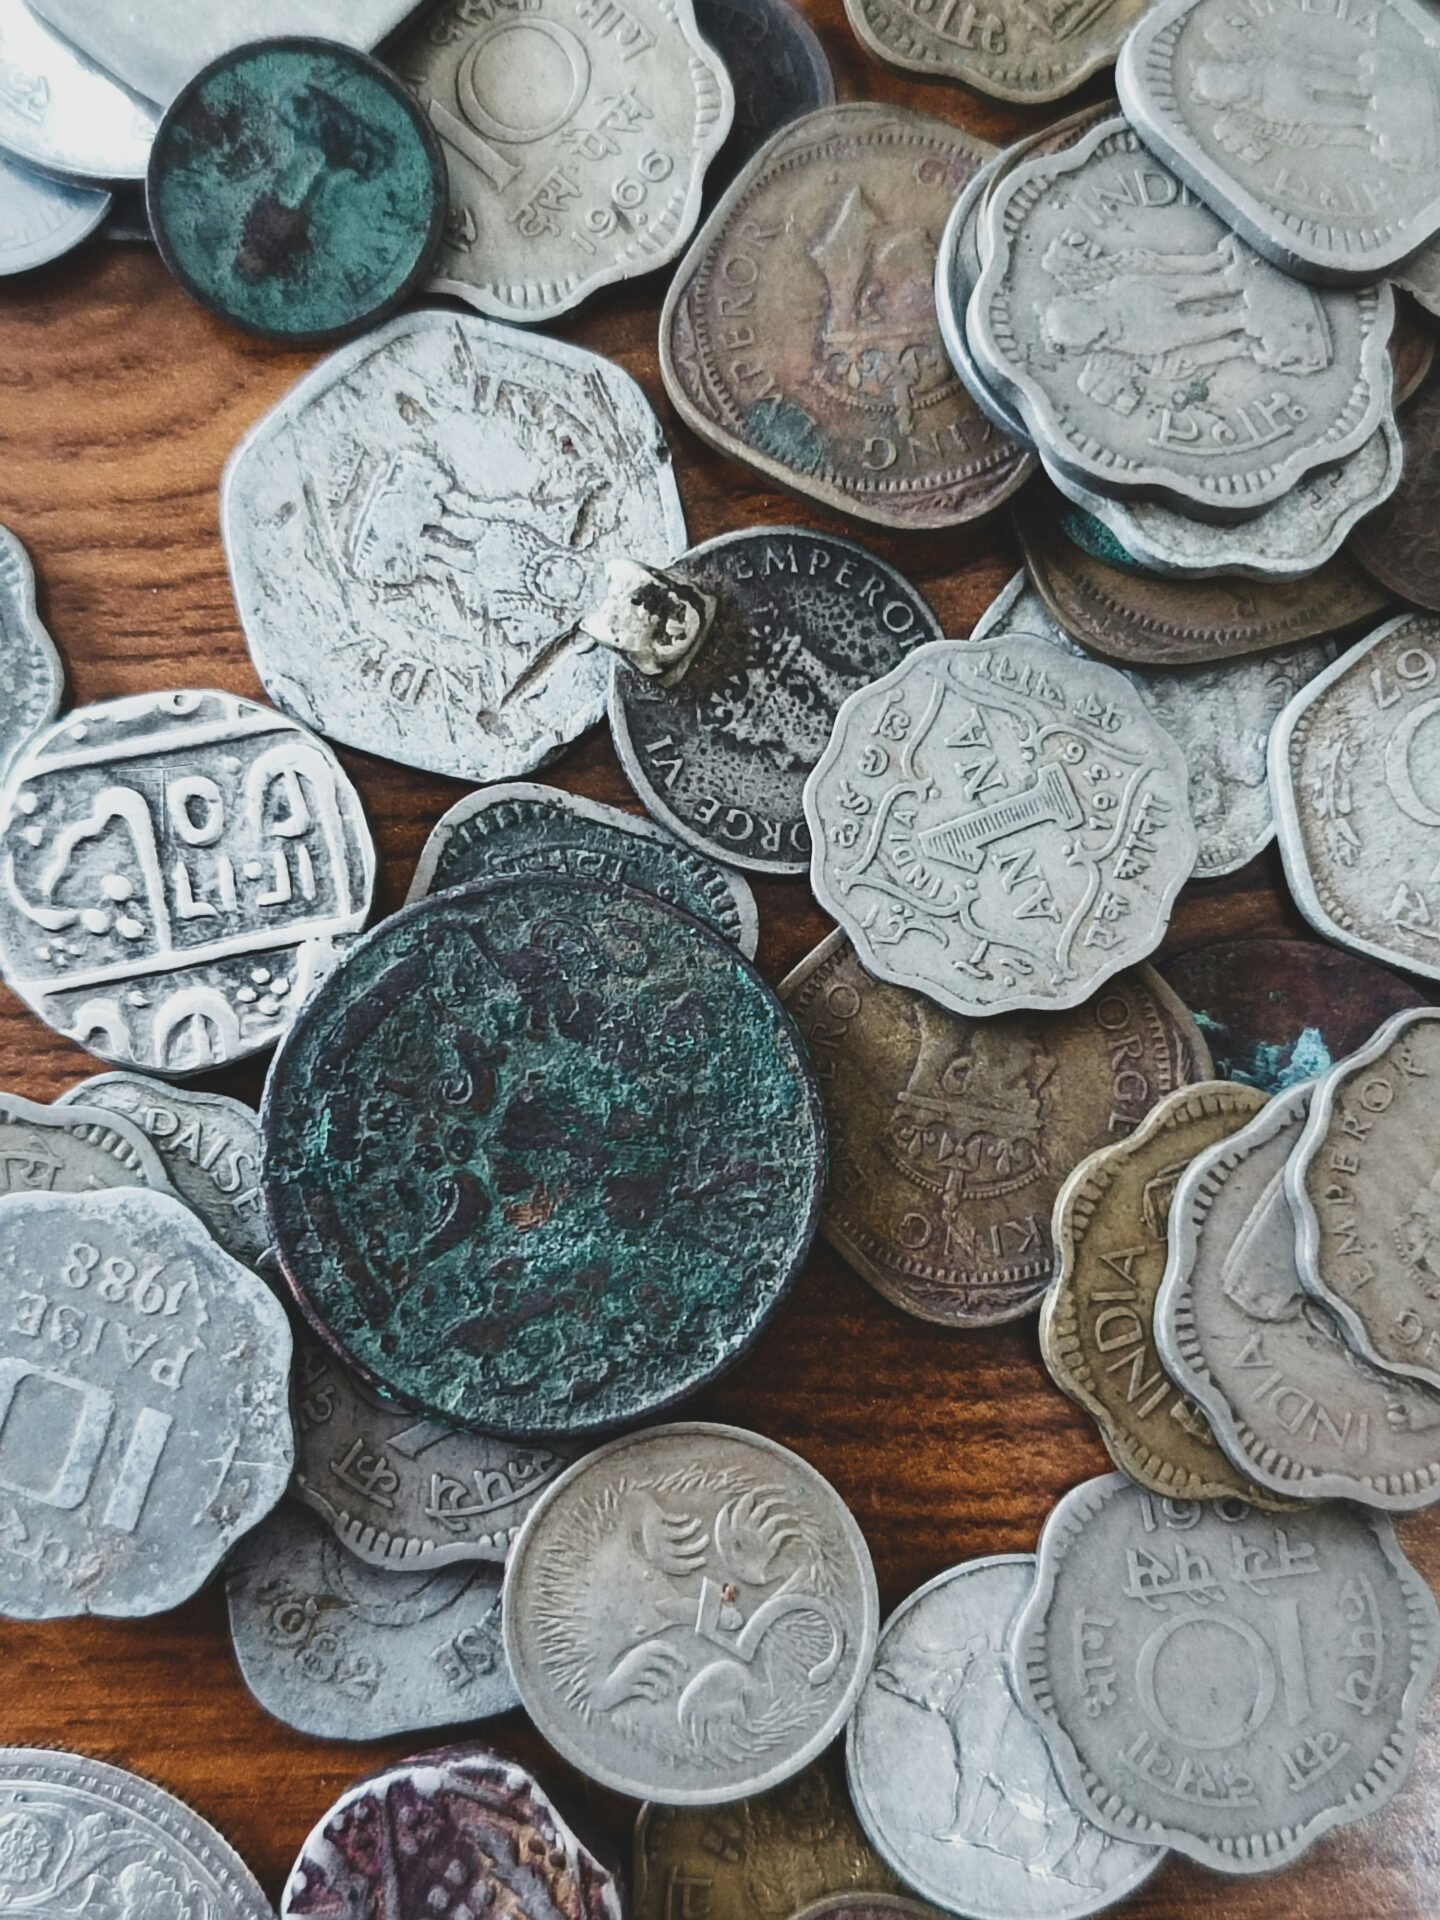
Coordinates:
(1008,49)
(950,1138)
(544,1157)
(295,190)
(800,335)
(31,677)
(70,1148)
(1399,544)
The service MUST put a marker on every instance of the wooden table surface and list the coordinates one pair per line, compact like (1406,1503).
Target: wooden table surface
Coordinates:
(119,403)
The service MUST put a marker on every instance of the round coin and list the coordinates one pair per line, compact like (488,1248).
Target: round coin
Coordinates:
(543,1156)
(867,1906)
(62,114)
(295,190)
(690,1614)
(41,219)
(1397,543)
(957,268)
(1012,51)
(777,67)
(70,1148)
(32,679)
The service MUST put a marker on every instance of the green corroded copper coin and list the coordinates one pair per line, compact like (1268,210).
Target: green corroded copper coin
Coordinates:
(542,1155)
(296,190)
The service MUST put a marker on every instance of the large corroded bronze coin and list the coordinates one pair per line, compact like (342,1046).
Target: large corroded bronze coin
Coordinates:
(950,1138)
(800,333)
(544,1157)
(1399,544)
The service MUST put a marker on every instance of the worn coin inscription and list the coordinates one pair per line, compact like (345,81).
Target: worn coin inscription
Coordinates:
(32,679)
(1231,1683)
(72,1148)
(1399,543)
(1006,48)
(62,113)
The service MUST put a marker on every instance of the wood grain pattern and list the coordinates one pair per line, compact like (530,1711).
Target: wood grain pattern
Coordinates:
(119,403)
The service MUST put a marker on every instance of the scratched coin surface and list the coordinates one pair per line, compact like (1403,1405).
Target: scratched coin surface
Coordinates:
(415,530)
(42,219)
(342,1651)
(1398,544)
(999,826)
(32,680)
(777,68)
(802,620)
(1010,49)
(179,870)
(69,1148)
(953,1783)
(690,1614)
(950,1138)
(61,113)
(800,336)
(1229,1683)
(543,1156)
(144,1415)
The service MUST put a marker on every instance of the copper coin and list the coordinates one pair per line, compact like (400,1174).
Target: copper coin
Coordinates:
(1412,349)
(1399,544)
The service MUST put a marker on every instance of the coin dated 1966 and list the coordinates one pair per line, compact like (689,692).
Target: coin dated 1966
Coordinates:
(41,219)
(144,1416)
(953,1782)
(61,113)
(1007,49)
(1399,544)
(999,826)
(801,621)
(72,1148)
(32,679)
(414,532)
(690,1614)
(1229,1683)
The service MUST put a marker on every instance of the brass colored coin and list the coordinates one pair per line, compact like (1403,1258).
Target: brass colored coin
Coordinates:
(1012,50)
(950,1138)
(1399,544)
(1097,1325)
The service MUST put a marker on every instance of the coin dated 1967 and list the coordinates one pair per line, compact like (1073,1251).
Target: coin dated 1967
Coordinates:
(1398,544)
(953,1782)
(41,219)
(801,621)
(999,826)
(1229,1683)
(32,679)
(61,113)
(72,1148)
(415,531)
(690,1614)
(1008,49)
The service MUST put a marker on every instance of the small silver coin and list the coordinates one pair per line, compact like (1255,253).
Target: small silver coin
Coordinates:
(144,1416)
(69,1148)
(32,680)
(41,219)
(59,112)
(690,1614)
(1229,1683)
(953,1784)
(342,1651)
(1420,277)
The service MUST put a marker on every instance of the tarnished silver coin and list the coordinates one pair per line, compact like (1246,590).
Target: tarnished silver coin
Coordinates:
(1312,131)
(62,114)
(957,270)
(67,1148)
(344,1652)
(953,1784)
(1150,350)
(801,620)
(144,1413)
(32,680)
(78,1836)
(1229,1683)
(41,219)
(180,870)
(1010,49)
(209,1146)
(999,826)
(690,1614)
(577,138)
(415,531)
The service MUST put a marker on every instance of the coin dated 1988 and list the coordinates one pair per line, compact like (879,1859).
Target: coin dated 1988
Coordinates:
(690,1614)
(801,620)
(999,826)
(70,1148)
(32,679)
(953,1783)
(414,532)
(41,219)
(1398,544)
(60,112)
(1229,1683)
(1007,49)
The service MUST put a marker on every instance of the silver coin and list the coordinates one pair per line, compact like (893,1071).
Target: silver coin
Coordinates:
(32,680)
(999,826)
(179,871)
(341,1651)
(953,1784)
(577,139)
(144,1418)
(1420,277)
(1354,775)
(1292,1404)
(41,219)
(1106,275)
(690,1614)
(62,114)
(1229,1683)
(398,1490)
(76,1835)
(958,266)
(415,531)
(1314,133)
(208,1144)
(72,1149)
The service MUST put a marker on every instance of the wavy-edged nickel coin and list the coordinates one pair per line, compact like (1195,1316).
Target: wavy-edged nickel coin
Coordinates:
(343,1651)
(1399,544)
(1292,1404)
(957,268)
(801,621)
(41,219)
(494,1843)
(690,1614)
(59,112)
(73,1828)
(999,826)
(1313,132)
(144,1404)
(414,532)
(543,1156)
(1228,1683)
(951,1780)
(777,67)
(1008,49)
(70,1148)
(32,680)
(800,335)
(950,1138)
(179,870)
